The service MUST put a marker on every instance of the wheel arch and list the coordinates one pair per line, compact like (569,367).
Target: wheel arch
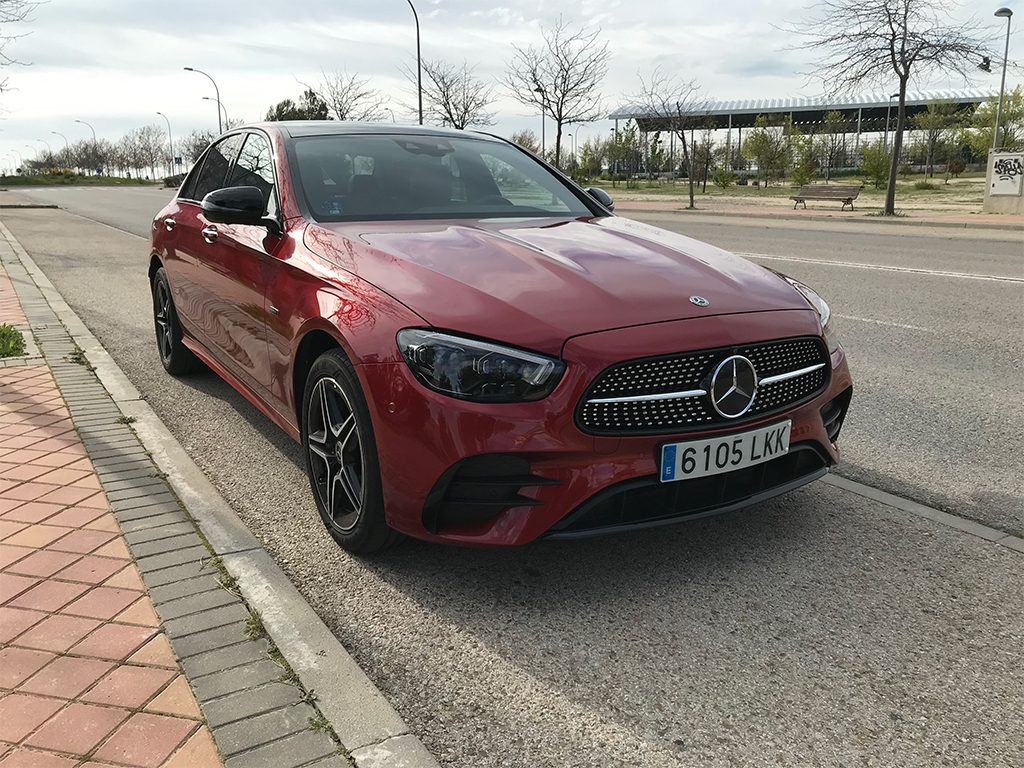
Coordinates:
(313,343)
(154,265)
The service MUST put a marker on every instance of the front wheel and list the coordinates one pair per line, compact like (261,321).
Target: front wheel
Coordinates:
(341,456)
(174,355)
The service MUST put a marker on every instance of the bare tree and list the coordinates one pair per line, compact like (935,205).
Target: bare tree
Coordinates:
(562,77)
(193,145)
(453,95)
(868,42)
(676,105)
(11,12)
(526,139)
(350,97)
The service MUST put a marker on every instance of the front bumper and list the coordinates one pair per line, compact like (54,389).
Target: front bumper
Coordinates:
(574,484)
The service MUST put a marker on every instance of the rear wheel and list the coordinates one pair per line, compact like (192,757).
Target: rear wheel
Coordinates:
(341,456)
(176,358)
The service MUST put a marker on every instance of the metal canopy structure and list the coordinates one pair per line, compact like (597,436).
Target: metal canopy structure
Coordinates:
(868,113)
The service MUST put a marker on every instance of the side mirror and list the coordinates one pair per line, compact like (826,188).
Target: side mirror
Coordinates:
(234,205)
(602,197)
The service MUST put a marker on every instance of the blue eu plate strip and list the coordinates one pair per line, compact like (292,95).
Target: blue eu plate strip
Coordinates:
(668,463)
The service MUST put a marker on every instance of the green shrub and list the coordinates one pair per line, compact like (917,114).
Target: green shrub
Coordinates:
(874,163)
(924,184)
(956,166)
(12,343)
(174,181)
(723,177)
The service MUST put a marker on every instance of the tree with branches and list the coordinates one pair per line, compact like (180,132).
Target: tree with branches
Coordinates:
(937,126)
(453,95)
(526,139)
(12,12)
(350,97)
(562,77)
(675,104)
(869,42)
(310,107)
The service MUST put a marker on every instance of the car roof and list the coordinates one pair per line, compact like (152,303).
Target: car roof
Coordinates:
(303,128)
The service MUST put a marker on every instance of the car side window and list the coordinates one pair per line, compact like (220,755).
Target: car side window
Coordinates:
(214,172)
(255,168)
(519,189)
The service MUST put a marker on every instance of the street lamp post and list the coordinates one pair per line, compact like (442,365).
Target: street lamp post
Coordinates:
(1002,13)
(419,61)
(94,142)
(888,110)
(170,141)
(220,125)
(543,95)
(220,108)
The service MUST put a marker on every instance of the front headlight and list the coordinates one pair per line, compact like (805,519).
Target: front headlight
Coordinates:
(831,339)
(478,370)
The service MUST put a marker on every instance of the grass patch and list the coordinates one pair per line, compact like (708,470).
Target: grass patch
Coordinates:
(74,179)
(254,628)
(122,419)
(12,343)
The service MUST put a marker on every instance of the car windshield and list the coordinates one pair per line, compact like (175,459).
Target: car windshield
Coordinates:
(359,177)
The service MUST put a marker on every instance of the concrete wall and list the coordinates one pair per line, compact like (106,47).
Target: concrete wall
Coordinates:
(1004,190)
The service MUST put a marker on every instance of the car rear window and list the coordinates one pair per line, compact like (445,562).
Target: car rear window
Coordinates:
(414,177)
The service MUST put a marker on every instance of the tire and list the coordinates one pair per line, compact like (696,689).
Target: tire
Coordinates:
(341,456)
(176,358)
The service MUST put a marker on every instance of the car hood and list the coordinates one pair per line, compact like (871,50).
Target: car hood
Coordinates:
(537,282)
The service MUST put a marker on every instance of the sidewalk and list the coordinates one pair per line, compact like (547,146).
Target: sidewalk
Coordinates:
(779,209)
(113,622)
(86,674)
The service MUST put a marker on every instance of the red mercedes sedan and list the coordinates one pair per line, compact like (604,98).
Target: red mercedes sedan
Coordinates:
(474,350)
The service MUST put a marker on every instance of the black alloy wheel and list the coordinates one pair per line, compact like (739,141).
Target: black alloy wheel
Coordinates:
(341,456)
(176,358)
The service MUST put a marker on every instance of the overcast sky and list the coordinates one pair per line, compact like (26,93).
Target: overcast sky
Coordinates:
(115,63)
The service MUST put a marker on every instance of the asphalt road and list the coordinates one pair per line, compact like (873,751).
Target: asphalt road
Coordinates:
(818,629)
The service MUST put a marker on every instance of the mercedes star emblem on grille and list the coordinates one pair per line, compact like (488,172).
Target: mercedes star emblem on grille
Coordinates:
(700,301)
(733,386)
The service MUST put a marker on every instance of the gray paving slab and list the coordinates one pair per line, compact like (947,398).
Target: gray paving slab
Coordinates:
(175,527)
(210,619)
(192,604)
(177,589)
(211,662)
(236,679)
(299,749)
(237,706)
(244,735)
(208,640)
(193,556)
(146,508)
(171,544)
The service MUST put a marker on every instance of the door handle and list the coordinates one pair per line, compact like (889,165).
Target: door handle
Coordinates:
(170,224)
(210,233)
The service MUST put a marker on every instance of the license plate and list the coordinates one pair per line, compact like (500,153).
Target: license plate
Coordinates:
(700,458)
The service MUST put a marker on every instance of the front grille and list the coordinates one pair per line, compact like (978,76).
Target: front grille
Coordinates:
(647,502)
(689,373)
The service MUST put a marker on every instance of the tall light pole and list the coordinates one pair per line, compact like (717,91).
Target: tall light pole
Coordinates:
(55,133)
(1002,13)
(543,95)
(170,140)
(220,125)
(888,109)
(419,61)
(220,107)
(90,128)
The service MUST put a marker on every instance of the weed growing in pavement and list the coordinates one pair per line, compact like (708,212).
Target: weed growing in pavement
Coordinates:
(12,343)
(254,628)
(229,582)
(78,358)
(122,419)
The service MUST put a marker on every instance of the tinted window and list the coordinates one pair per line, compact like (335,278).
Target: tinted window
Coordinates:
(255,168)
(410,177)
(215,166)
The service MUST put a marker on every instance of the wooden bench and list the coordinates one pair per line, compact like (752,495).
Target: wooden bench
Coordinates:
(846,193)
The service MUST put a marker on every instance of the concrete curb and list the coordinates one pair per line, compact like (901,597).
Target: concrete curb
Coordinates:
(936,516)
(365,722)
(888,221)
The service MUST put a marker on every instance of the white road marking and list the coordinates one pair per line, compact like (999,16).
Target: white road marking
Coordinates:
(883,267)
(884,322)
